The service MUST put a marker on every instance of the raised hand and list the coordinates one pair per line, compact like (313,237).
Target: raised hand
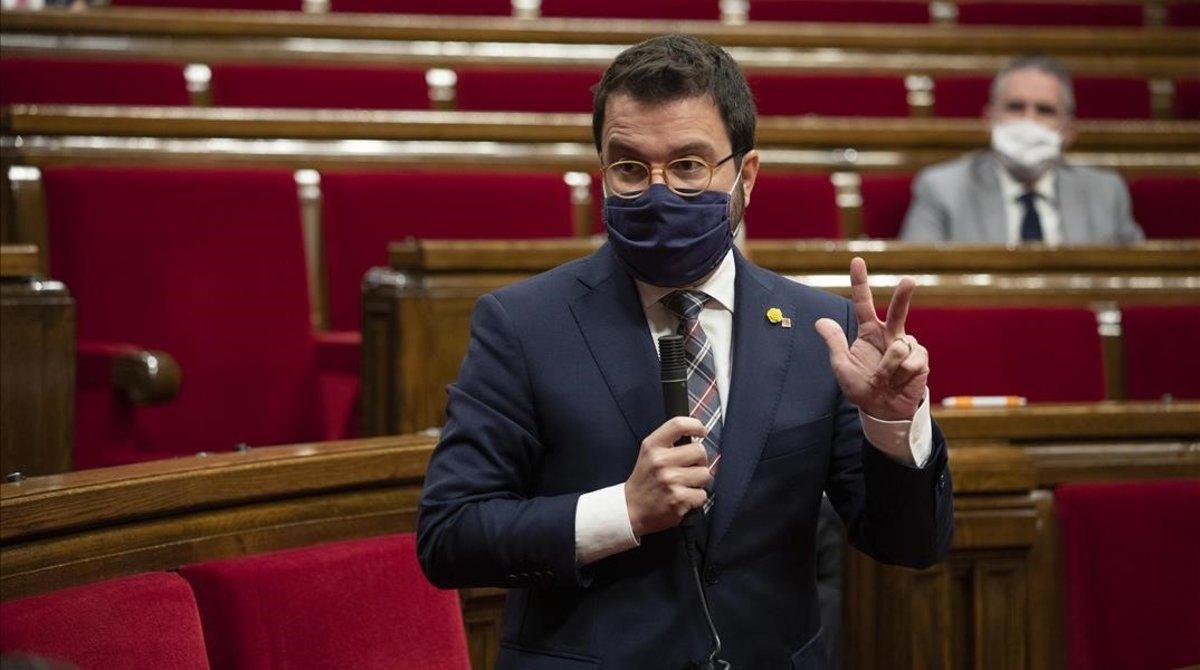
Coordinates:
(884,371)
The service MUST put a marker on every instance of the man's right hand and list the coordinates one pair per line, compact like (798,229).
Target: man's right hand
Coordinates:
(667,481)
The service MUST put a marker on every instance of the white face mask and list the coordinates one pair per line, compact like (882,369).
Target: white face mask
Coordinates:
(1027,147)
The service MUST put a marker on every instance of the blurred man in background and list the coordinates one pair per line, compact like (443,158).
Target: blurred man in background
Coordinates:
(1021,190)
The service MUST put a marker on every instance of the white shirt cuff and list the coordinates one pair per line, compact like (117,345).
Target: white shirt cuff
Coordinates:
(907,442)
(602,525)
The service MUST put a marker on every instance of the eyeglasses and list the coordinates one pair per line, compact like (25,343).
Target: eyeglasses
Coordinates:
(688,176)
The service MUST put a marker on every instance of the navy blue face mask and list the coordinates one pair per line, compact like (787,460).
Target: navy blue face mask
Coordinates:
(667,240)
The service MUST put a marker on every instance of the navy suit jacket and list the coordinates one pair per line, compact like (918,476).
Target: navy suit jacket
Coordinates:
(559,387)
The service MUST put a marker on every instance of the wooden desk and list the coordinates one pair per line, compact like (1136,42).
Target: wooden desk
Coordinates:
(79,527)
(37,367)
(417,313)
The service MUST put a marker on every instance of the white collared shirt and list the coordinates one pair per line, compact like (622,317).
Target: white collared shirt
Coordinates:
(602,526)
(1046,204)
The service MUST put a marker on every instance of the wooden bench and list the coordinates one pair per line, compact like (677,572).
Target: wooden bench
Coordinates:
(75,528)
(416,313)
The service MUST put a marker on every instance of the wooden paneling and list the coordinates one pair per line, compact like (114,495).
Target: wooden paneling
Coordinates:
(417,313)
(37,367)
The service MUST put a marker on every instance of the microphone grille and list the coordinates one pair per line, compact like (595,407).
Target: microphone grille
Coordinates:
(672,357)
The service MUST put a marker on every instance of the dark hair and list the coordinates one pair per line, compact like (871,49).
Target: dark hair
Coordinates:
(670,67)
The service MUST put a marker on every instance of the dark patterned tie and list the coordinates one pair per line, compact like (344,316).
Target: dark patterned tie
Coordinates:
(703,395)
(1031,223)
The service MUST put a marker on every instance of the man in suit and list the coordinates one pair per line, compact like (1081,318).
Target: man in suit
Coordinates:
(1022,191)
(556,475)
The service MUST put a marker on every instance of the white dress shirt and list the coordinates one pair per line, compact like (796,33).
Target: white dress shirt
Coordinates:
(1046,204)
(602,526)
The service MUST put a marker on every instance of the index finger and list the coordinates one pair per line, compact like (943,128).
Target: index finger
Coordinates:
(675,428)
(860,292)
(898,307)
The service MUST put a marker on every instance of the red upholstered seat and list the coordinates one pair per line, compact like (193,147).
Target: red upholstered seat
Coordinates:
(209,266)
(364,211)
(448,7)
(993,12)
(633,9)
(1043,354)
(1187,98)
(1159,353)
(885,199)
(785,206)
(362,604)
(261,85)
(1184,14)
(1163,205)
(1131,587)
(145,621)
(1095,97)
(840,11)
(527,90)
(91,82)
(794,95)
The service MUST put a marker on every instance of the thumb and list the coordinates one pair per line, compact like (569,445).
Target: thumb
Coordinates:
(834,337)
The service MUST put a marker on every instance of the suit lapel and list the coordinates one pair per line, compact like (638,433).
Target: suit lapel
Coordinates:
(1073,222)
(988,201)
(613,324)
(761,353)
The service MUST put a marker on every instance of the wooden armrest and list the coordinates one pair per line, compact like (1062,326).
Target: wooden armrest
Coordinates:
(143,376)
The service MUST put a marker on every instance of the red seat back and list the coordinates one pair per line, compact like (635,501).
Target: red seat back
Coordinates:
(1159,356)
(960,97)
(785,206)
(885,199)
(526,90)
(209,266)
(1161,203)
(1131,587)
(633,9)
(1183,14)
(993,12)
(1187,98)
(91,82)
(318,86)
(364,211)
(361,604)
(145,621)
(446,7)
(794,95)
(1095,97)
(840,11)
(1043,354)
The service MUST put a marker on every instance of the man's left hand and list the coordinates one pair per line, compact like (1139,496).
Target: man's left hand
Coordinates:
(885,371)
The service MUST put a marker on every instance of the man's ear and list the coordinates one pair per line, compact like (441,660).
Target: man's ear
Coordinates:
(1068,132)
(750,164)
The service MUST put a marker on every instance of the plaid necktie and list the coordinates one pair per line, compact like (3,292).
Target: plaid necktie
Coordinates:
(703,395)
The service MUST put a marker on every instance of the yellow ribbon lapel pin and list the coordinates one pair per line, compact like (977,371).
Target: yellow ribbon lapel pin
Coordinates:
(775,316)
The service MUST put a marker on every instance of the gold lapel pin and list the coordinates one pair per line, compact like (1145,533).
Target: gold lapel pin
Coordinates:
(775,316)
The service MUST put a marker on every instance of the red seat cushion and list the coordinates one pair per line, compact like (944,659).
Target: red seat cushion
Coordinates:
(1184,14)
(1131,587)
(209,266)
(364,211)
(633,9)
(1159,355)
(1043,354)
(840,11)
(785,206)
(1095,97)
(1187,98)
(885,199)
(992,12)
(91,82)
(145,621)
(527,90)
(794,95)
(447,7)
(1159,203)
(362,604)
(318,86)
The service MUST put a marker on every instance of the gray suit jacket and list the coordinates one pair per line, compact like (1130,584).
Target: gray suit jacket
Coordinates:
(960,201)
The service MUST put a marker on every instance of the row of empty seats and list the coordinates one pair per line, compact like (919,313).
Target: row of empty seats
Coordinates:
(358,604)
(965,12)
(67,81)
(210,267)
